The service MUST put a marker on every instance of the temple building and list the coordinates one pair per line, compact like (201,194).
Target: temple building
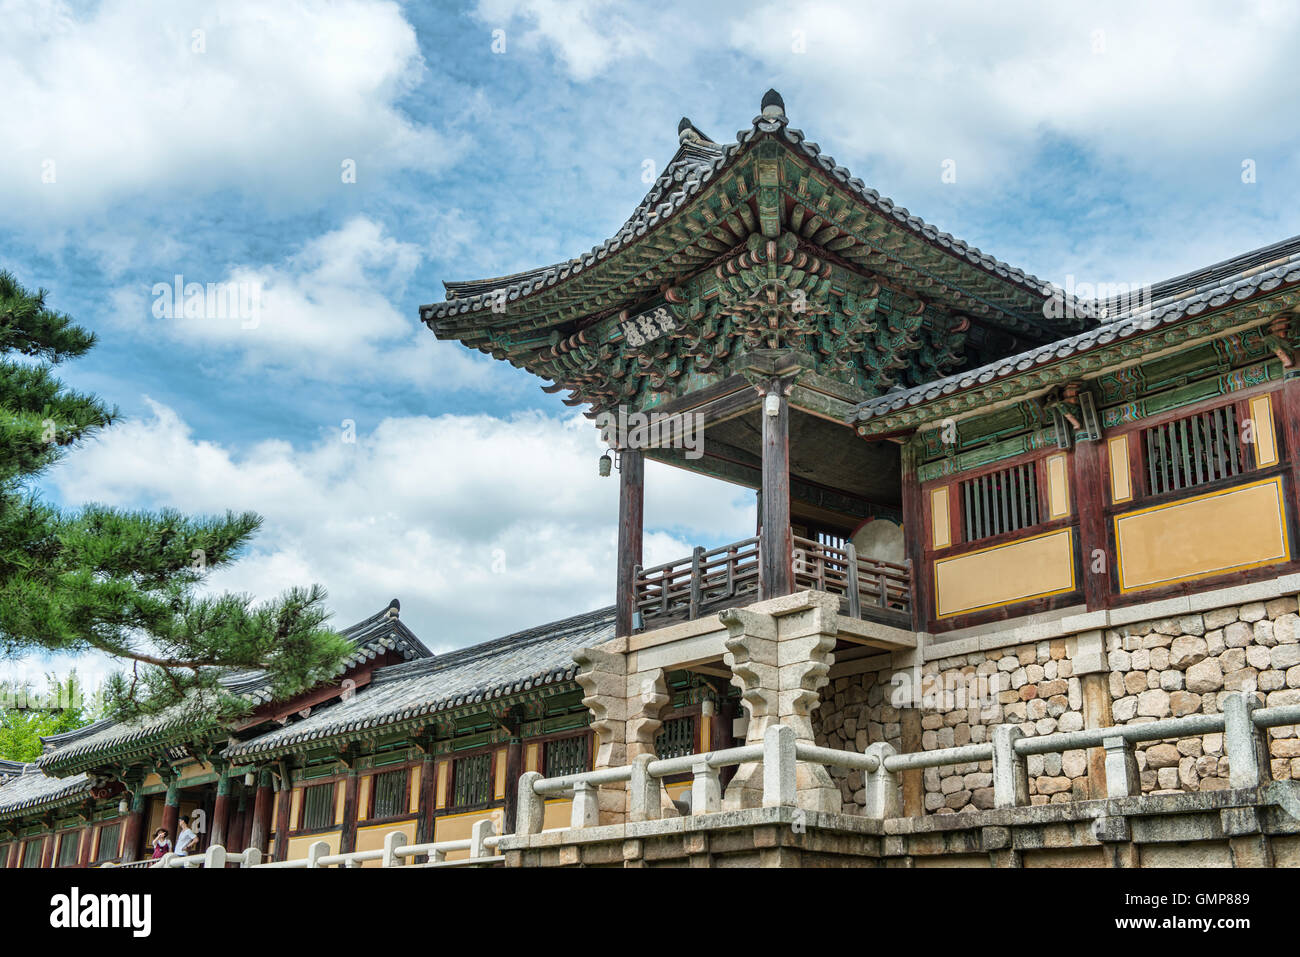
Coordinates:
(1023,578)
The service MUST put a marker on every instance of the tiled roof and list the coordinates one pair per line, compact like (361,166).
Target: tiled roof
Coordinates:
(32,789)
(519,662)
(9,769)
(684,178)
(1243,277)
(372,637)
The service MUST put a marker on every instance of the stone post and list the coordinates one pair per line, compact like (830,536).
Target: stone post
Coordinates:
(1090,666)
(706,794)
(602,675)
(644,800)
(1010,770)
(586,809)
(530,808)
(392,841)
(1243,744)
(780,659)
(1121,771)
(779,764)
(883,799)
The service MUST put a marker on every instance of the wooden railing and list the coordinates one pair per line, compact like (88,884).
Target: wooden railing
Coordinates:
(708,580)
(713,579)
(865,582)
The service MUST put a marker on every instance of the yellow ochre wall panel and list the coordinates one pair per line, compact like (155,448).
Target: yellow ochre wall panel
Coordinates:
(459,827)
(295,808)
(940,523)
(500,790)
(557,814)
(1058,487)
(531,754)
(372,838)
(414,800)
(1004,574)
(441,801)
(1261,414)
(298,845)
(1121,480)
(1201,536)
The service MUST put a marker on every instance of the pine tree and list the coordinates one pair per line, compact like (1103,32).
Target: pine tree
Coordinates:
(126,583)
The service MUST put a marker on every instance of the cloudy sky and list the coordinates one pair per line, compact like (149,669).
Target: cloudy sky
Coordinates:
(345,158)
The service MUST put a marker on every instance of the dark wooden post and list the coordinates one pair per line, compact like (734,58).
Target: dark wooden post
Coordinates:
(133,832)
(1089,500)
(239,827)
(47,850)
(631,515)
(15,854)
(262,812)
(514,768)
(172,806)
(283,813)
(221,809)
(428,782)
(914,540)
(351,788)
(1287,418)
(87,838)
(775,544)
(720,735)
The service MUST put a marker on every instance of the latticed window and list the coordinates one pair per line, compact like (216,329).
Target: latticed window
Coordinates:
(471,780)
(32,853)
(69,846)
(676,738)
(566,756)
(999,502)
(109,835)
(1192,451)
(391,796)
(318,807)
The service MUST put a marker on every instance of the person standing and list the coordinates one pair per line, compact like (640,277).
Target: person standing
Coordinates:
(185,838)
(161,843)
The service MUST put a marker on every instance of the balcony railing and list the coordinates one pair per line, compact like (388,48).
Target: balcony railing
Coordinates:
(711,580)
(867,584)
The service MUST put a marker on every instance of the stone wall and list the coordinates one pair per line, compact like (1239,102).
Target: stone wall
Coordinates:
(1181,666)
(1156,669)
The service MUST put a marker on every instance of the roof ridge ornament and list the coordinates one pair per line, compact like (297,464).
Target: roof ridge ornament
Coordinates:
(773,105)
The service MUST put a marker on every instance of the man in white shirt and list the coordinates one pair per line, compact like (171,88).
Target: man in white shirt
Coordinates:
(185,838)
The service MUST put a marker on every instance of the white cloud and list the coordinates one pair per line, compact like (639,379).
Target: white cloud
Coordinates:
(480,525)
(326,311)
(120,101)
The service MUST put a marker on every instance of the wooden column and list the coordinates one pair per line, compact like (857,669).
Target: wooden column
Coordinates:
(240,825)
(47,850)
(283,814)
(172,808)
(133,832)
(87,839)
(1287,425)
(1089,501)
(631,517)
(721,735)
(261,830)
(221,809)
(428,782)
(775,545)
(15,854)
(914,535)
(514,768)
(351,791)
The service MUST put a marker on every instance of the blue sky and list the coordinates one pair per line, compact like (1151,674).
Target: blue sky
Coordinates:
(1105,144)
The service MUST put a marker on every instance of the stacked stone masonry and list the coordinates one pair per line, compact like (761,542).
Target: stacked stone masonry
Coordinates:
(1157,669)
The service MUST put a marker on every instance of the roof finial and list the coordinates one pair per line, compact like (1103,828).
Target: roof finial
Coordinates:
(685,129)
(772,104)
(394,608)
